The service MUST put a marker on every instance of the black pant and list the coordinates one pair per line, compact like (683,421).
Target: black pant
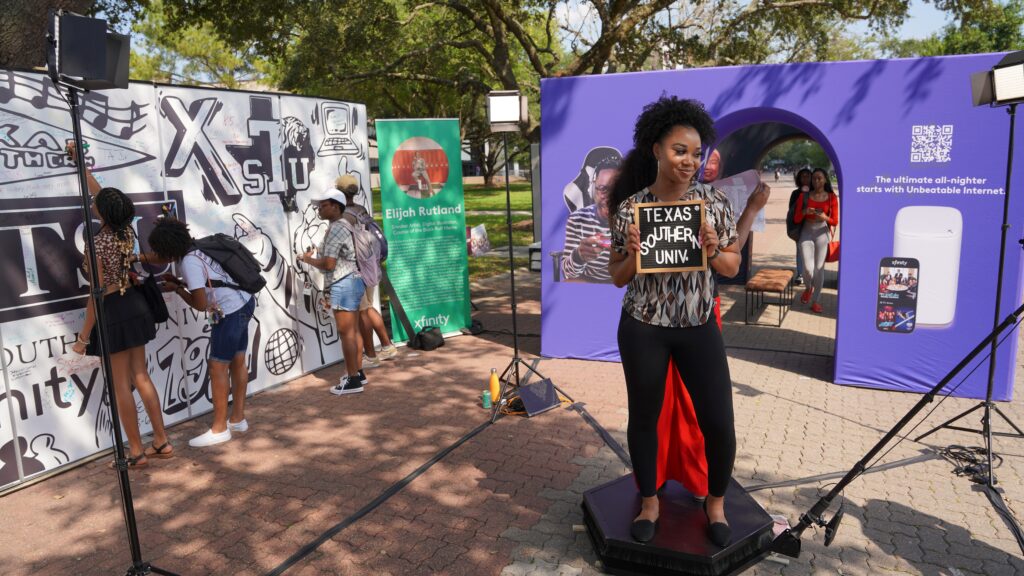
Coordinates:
(699,354)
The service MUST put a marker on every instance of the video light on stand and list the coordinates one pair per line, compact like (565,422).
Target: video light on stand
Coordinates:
(506,109)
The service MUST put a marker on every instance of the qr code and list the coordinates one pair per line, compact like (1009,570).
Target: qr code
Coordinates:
(931,143)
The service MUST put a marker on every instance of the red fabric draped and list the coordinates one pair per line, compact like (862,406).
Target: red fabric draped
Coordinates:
(680,441)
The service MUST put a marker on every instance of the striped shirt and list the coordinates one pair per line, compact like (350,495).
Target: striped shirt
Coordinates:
(676,299)
(582,224)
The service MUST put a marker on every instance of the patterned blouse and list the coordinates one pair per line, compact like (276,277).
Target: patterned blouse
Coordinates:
(111,254)
(677,299)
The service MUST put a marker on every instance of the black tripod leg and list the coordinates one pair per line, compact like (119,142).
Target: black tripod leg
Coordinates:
(948,422)
(1008,421)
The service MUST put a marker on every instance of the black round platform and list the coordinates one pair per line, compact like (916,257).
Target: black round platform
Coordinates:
(681,546)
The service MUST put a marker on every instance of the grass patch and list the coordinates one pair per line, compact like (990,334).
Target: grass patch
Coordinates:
(485,267)
(480,198)
(497,229)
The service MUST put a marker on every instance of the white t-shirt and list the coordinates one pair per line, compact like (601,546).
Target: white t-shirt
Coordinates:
(196,267)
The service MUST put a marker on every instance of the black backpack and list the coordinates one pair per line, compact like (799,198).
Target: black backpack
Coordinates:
(792,228)
(236,260)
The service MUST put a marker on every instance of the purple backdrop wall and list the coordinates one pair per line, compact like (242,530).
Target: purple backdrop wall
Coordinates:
(879,121)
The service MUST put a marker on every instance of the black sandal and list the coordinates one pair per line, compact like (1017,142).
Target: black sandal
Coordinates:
(163,452)
(132,462)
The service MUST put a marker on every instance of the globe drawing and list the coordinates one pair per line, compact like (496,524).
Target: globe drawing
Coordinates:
(281,352)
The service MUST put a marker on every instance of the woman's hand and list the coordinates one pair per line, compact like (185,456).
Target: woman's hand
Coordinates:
(708,238)
(633,239)
(78,347)
(759,198)
(72,153)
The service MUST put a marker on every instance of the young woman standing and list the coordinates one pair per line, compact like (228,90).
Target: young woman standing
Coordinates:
(668,315)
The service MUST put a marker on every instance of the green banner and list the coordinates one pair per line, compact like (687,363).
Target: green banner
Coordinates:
(425,222)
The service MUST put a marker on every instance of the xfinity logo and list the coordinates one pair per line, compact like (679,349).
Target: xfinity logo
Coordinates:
(439,320)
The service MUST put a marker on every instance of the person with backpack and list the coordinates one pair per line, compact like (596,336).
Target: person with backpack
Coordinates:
(803,185)
(220,277)
(343,285)
(370,320)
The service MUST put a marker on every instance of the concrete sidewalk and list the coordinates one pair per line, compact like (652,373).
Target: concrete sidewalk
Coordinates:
(507,500)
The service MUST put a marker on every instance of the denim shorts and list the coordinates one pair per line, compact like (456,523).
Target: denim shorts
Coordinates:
(347,292)
(230,336)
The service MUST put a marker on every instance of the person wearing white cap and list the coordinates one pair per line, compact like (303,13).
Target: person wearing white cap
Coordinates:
(370,320)
(343,286)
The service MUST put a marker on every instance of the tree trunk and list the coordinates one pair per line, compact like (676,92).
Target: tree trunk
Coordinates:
(23,27)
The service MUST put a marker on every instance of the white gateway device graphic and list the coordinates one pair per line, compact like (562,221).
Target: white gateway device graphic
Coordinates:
(932,235)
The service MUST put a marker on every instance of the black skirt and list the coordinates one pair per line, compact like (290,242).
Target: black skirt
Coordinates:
(128,321)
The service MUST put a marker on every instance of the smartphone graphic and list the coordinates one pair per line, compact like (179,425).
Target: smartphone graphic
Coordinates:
(898,286)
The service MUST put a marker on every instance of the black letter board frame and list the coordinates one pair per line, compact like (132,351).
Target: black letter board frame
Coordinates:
(646,264)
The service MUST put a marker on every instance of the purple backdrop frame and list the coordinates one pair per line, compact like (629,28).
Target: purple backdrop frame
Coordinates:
(862,113)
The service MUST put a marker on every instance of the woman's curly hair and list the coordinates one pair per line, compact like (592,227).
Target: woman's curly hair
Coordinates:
(170,239)
(640,167)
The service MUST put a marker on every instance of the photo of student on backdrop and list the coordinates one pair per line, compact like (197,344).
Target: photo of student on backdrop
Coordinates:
(587,237)
(579,192)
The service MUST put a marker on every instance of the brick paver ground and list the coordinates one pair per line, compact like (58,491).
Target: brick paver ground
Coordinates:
(507,501)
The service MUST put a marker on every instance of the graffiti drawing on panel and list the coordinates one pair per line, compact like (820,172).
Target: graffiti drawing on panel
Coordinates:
(281,275)
(337,135)
(213,159)
(31,150)
(120,122)
(299,160)
(37,455)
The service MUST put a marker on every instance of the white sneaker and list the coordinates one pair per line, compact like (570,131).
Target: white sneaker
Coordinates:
(209,438)
(347,385)
(388,352)
(242,426)
(370,362)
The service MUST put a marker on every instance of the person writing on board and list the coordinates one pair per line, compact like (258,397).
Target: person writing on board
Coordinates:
(666,315)
(127,321)
(822,213)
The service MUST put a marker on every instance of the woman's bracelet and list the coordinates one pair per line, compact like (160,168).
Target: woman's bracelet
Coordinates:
(80,341)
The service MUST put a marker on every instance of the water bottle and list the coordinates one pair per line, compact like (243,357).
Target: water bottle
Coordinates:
(495,385)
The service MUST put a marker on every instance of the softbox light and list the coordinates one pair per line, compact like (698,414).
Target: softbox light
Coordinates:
(81,52)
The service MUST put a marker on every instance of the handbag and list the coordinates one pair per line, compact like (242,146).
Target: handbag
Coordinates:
(154,299)
(833,247)
(429,338)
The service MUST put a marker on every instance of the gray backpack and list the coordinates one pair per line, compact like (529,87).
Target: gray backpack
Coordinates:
(367,252)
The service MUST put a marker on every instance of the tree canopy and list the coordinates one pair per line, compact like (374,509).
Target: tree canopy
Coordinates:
(423,58)
(989,26)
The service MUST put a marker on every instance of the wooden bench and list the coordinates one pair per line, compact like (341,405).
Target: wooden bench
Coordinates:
(774,281)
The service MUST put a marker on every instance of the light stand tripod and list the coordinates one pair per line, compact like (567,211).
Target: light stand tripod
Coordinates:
(139,567)
(788,542)
(987,406)
(510,376)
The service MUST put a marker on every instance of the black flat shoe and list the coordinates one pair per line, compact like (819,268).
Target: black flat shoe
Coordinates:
(643,530)
(719,532)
